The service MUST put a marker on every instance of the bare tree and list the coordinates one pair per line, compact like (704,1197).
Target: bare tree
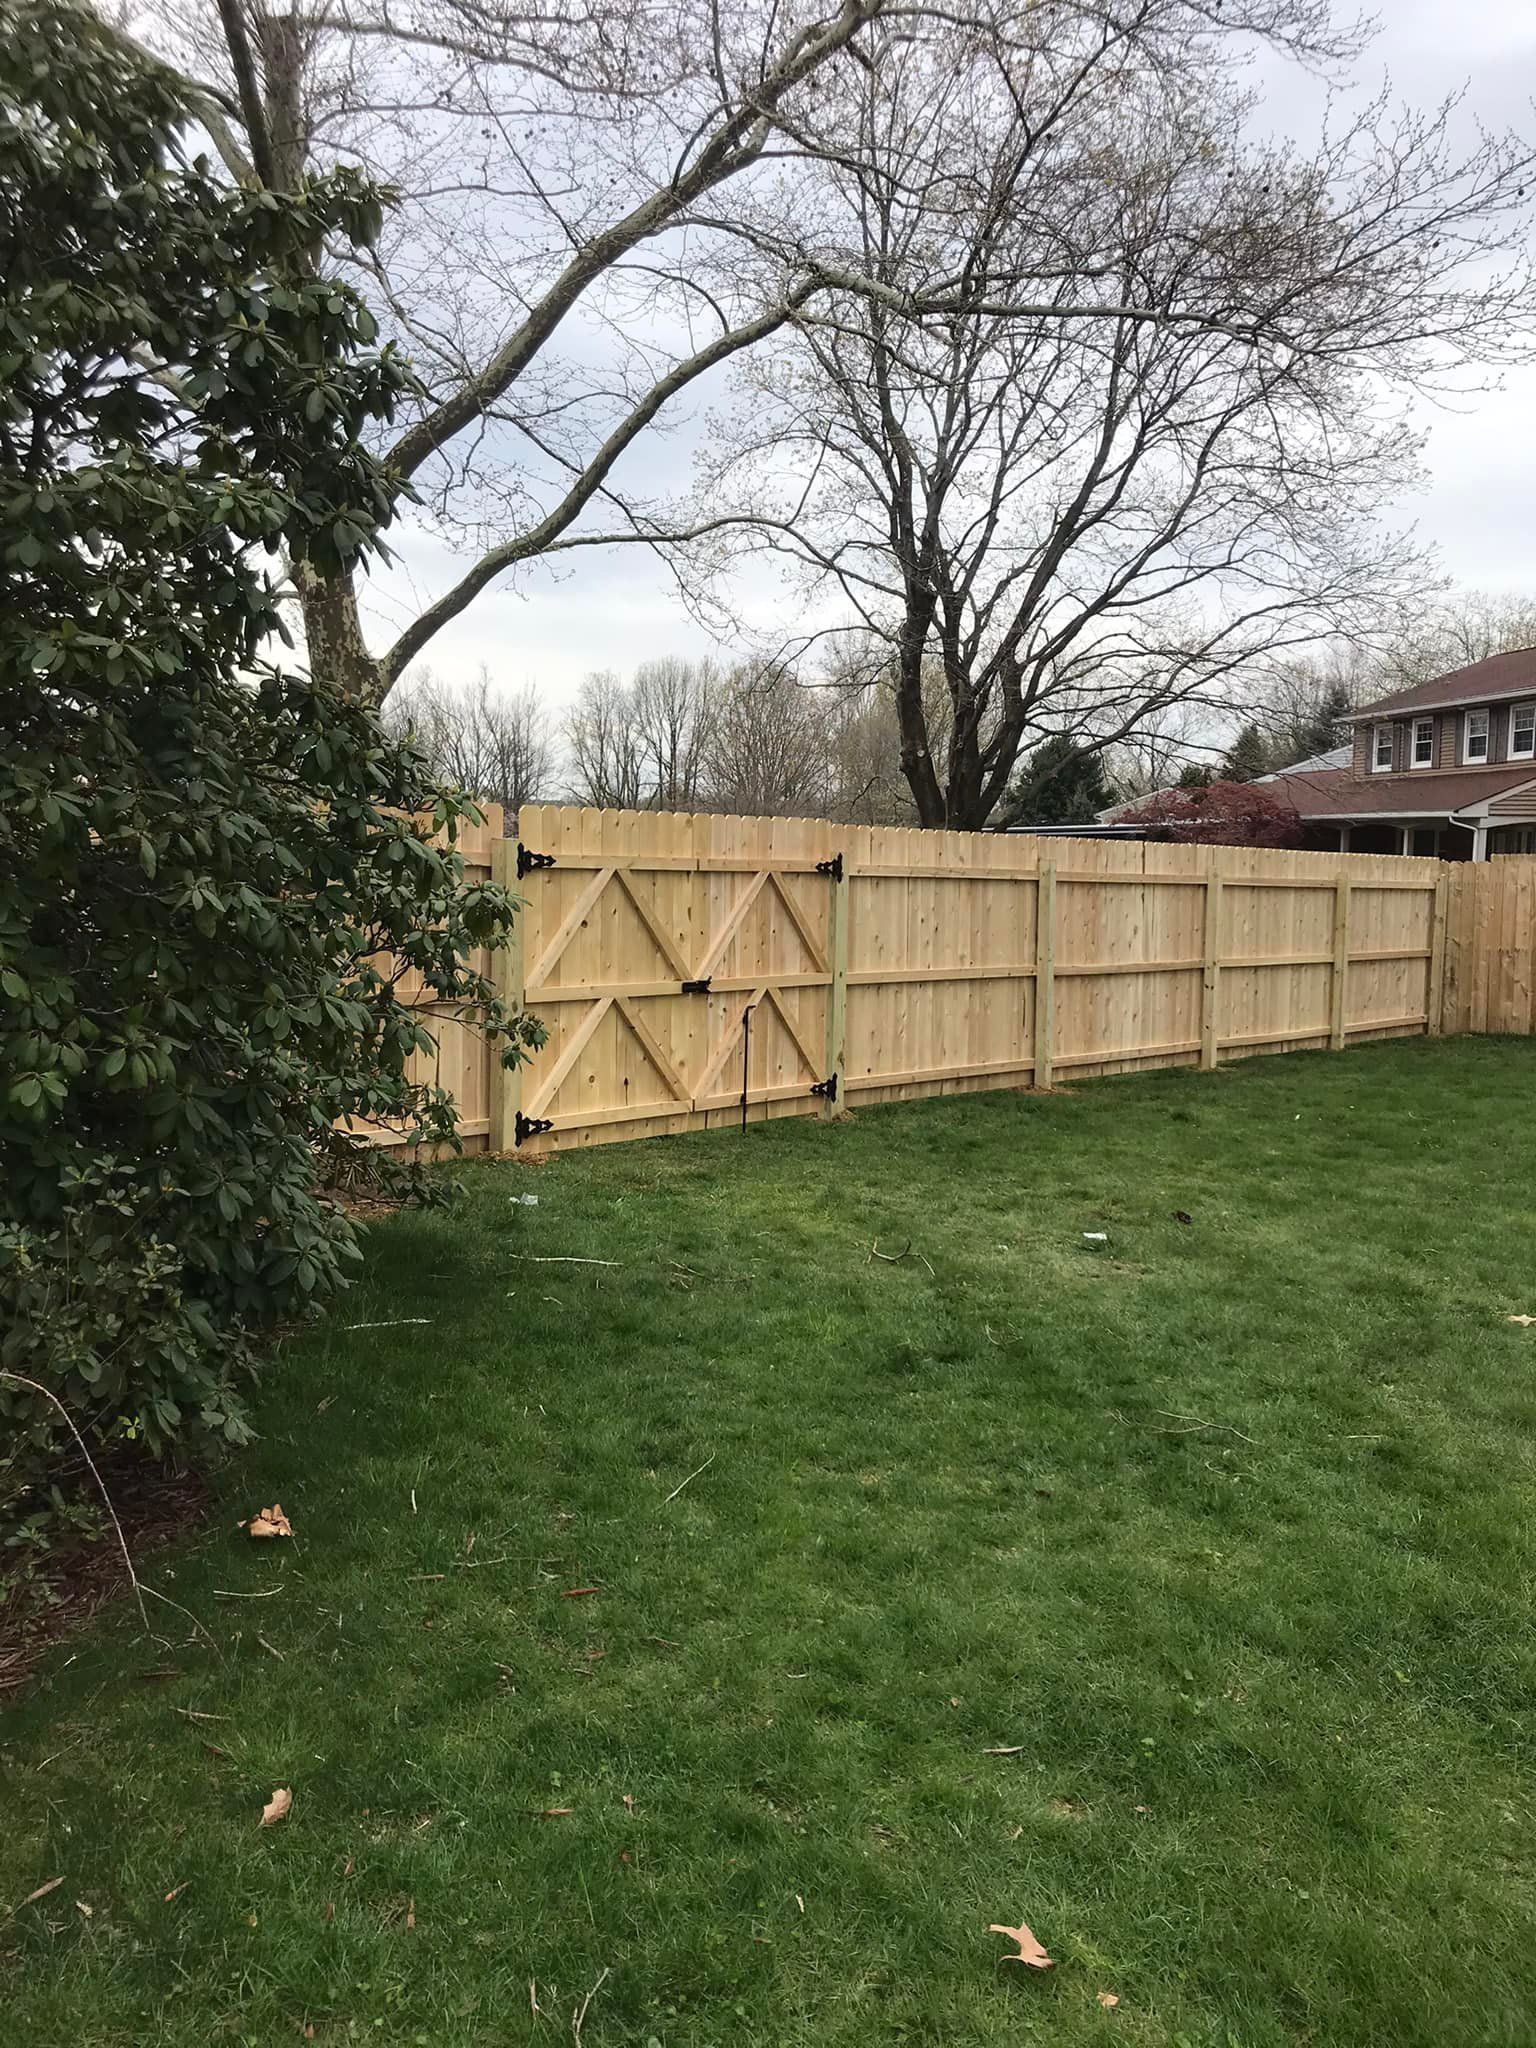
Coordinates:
(601,207)
(553,264)
(1109,404)
(675,703)
(768,753)
(605,753)
(1457,628)
(494,743)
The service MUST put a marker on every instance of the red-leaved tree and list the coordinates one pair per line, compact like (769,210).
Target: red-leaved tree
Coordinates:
(1221,814)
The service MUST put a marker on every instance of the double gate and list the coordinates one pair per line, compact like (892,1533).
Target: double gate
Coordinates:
(681,966)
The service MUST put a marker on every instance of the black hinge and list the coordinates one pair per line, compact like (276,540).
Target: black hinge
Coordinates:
(529,1127)
(827,1089)
(697,988)
(527,861)
(832,867)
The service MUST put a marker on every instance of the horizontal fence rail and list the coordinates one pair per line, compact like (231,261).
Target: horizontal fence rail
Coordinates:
(693,970)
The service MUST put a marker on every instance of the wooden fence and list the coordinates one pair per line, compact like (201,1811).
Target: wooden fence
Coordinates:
(1491,947)
(672,958)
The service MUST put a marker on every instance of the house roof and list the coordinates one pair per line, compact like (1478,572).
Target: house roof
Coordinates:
(1482,682)
(1338,793)
(1336,757)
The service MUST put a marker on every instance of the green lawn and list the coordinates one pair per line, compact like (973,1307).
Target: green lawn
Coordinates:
(1227,1527)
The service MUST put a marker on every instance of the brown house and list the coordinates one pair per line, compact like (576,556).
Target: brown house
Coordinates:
(1447,768)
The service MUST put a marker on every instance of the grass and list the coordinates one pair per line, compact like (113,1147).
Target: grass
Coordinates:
(1226,1527)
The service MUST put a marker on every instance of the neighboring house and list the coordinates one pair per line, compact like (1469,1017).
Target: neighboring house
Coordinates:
(1446,768)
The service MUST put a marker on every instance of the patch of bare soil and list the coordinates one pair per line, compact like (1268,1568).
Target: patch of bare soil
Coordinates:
(154,1505)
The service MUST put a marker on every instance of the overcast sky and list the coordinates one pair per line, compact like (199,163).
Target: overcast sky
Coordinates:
(616,608)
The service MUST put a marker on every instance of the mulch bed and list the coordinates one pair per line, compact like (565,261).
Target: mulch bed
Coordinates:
(154,1505)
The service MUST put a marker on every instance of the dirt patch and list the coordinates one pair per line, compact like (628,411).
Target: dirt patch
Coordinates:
(154,1505)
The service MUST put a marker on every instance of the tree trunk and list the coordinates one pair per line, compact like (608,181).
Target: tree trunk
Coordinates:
(333,631)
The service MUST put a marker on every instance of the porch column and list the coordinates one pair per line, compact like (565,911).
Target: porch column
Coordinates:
(1479,842)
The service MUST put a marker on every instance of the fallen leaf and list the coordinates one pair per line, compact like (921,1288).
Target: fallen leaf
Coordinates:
(330,1912)
(1182,1216)
(410,1914)
(269,1522)
(84,1908)
(1525,1322)
(1031,1954)
(1014,1749)
(1109,1999)
(629,1802)
(579,1592)
(1143,1809)
(309,2030)
(624,1856)
(351,1866)
(42,1891)
(176,1894)
(553,1812)
(277,1806)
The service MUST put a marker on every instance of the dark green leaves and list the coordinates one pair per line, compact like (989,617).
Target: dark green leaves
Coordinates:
(198,854)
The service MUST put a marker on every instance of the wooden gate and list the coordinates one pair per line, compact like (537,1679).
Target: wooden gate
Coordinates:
(680,965)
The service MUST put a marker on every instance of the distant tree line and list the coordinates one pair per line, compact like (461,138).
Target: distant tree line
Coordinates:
(764,738)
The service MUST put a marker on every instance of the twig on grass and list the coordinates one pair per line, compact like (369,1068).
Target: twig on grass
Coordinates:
(690,1479)
(41,1892)
(223,1593)
(1196,1422)
(535,1259)
(396,1323)
(579,2015)
(1014,1749)
(888,1258)
(1191,1425)
(272,1650)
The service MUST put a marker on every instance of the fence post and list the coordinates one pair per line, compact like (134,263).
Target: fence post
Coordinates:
(1435,1003)
(837,992)
(1045,974)
(1210,987)
(1338,986)
(504,1085)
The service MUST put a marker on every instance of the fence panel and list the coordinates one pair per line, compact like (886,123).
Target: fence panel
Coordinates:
(1490,943)
(689,966)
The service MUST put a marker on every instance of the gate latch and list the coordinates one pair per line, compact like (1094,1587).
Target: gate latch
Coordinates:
(832,867)
(527,861)
(697,988)
(529,1127)
(827,1089)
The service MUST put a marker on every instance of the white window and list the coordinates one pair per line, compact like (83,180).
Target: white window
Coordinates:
(1474,746)
(1423,743)
(1381,748)
(1522,732)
